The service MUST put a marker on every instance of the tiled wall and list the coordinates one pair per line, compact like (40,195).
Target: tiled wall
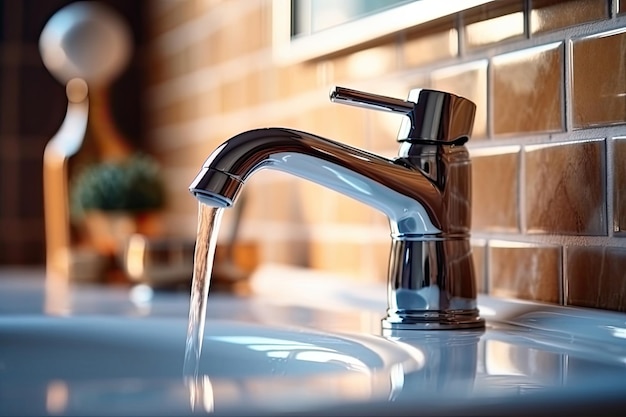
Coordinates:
(548,149)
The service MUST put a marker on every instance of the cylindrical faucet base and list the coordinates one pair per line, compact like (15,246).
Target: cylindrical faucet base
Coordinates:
(431,285)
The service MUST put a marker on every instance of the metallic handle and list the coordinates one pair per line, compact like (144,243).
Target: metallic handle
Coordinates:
(431,116)
(370,101)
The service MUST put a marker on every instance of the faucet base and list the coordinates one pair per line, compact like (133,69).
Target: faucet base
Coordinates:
(429,320)
(431,285)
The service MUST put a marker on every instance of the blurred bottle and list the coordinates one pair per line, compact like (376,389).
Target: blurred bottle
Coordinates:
(88,164)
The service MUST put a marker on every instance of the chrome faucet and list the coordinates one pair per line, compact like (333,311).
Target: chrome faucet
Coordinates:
(425,193)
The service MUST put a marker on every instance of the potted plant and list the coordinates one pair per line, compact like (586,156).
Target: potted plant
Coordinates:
(111,200)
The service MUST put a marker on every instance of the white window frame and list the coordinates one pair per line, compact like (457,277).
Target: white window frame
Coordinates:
(325,42)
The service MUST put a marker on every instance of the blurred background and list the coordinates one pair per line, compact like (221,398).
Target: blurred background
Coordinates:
(33,107)
(548,149)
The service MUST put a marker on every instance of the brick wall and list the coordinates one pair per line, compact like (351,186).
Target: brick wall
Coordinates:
(548,149)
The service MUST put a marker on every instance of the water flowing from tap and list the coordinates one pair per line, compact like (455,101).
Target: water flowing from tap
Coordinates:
(209,220)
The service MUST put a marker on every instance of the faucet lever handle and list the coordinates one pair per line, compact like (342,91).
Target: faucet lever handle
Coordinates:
(356,98)
(432,116)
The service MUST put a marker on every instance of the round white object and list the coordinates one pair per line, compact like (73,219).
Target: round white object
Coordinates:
(85,40)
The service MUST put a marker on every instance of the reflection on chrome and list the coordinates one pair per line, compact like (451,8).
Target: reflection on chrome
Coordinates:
(425,193)
(449,363)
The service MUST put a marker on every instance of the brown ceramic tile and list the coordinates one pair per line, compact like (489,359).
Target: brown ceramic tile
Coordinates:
(180,204)
(479,255)
(528,91)
(254,94)
(495,188)
(493,23)
(565,188)
(175,65)
(281,204)
(175,15)
(379,220)
(255,199)
(548,15)
(291,252)
(376,257)
(236,94)
(366,63)
(350,211)
(596,277)
(381,128)
(599,80)
(435,43)
(338,257)
(469,81)
(191,108)
(293,79)
(520,270)
(229,42)
(255,38)
(165,116)
(207,102)
(189,158)
(233,95)
(619,186)
(316,204)
(349,125)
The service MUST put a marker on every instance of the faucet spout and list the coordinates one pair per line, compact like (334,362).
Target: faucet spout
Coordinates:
(409,198)
(424,192)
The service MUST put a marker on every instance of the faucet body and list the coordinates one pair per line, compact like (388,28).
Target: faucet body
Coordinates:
(425,193)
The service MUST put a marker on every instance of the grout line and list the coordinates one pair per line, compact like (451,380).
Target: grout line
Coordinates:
(460,36)
(609,185)
(490,116)
(487,278)
(527,18)
(563,287)
(567,85)
(613,8)
(564,274)
(399,48)
(521,192)
(551,239)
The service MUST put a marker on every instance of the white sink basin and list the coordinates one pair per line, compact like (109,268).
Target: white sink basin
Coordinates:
(122,366)
(292,357)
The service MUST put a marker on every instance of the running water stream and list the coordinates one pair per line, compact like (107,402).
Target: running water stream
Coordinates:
(209,219)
